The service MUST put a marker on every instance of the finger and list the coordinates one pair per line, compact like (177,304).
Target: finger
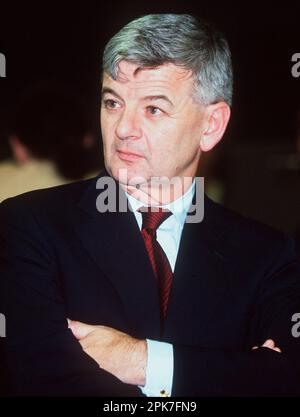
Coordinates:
(84,344)
(269,343)
(277,349)
(80,330)
(255,347)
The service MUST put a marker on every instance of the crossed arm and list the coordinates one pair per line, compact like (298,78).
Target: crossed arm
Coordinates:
(120,354)
(43,357)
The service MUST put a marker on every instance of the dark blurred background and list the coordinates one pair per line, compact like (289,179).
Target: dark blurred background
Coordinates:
(255,169)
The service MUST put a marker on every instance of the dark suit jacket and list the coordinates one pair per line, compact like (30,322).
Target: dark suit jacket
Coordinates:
(236,283)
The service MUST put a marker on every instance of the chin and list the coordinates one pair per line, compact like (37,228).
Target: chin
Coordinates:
(125,174)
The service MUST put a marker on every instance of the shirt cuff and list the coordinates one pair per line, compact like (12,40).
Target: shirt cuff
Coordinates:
(159,371)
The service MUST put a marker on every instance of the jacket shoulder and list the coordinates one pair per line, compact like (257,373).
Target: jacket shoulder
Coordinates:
(238,228)
(54,199)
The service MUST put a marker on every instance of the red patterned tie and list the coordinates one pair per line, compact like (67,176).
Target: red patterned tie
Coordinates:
(159,261)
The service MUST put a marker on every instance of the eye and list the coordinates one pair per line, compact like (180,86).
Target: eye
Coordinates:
(154,110)
(110,104)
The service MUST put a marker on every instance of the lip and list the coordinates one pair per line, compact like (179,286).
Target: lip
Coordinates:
(128,156)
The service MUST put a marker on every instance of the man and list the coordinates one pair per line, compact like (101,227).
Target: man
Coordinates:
(145,301)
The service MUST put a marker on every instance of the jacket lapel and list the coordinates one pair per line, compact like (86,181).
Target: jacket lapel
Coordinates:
(114,241)
(203,273)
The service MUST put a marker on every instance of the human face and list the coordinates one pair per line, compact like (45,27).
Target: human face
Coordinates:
(151,124)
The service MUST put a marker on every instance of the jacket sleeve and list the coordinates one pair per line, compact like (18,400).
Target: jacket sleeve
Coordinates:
(40,353)
(261,372)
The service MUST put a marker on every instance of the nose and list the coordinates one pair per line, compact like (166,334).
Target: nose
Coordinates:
(129,125)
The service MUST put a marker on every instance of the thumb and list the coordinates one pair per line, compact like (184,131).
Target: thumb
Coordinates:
(80,330)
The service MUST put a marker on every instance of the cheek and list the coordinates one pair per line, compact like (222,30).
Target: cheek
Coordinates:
(160,147)
(162,141)
(107,134)
(162,135)
(103,121)
(106,122)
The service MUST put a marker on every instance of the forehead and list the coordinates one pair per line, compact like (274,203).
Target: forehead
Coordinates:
(165,78)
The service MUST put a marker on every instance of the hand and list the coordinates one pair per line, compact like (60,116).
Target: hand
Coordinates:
(269,343)
(116,352)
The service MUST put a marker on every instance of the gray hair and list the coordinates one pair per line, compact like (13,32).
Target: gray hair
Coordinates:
(157,39)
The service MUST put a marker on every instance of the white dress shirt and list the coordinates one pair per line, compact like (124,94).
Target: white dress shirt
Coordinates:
(160,363)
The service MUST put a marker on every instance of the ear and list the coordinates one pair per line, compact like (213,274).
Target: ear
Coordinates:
(19,150)
(217,117)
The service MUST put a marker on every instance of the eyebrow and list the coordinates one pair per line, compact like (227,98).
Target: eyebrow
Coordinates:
(159,97)
(108,90)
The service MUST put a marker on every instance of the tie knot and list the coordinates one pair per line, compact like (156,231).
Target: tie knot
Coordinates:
(153,217)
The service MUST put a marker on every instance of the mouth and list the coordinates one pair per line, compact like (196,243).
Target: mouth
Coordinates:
(128,156)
